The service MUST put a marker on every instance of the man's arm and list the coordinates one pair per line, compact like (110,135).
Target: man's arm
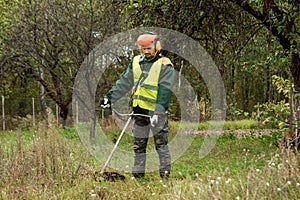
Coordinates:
(122,85)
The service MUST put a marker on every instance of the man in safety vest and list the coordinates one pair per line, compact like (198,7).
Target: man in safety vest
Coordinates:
(150,76)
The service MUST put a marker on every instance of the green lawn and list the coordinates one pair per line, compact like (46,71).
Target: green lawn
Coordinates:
(53,164)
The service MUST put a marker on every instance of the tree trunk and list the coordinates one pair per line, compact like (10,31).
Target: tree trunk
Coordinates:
(42,91)
(232,89)
(295,69)
(247,95)
(64,111)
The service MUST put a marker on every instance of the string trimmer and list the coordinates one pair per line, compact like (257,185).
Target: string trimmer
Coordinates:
(112,176)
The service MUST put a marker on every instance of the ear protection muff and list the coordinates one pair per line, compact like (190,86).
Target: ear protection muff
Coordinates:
(157,45)
(148,37)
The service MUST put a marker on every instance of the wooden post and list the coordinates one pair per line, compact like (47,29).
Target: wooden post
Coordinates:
(33,113)
(76,107)
(3,114)
(297,121)
(291,111)
(57,118)
(291,118)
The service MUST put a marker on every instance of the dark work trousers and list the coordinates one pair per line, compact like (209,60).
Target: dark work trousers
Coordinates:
(141,130)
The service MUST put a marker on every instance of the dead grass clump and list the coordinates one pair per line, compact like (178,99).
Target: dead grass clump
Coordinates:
(42,166)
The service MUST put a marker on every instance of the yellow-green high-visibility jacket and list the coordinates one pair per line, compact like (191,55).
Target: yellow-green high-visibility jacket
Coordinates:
(151,81)
(145,84)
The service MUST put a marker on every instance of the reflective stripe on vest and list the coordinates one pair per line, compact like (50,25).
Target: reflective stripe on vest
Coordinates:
(145,94)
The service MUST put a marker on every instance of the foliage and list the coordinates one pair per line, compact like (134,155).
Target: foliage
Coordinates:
(273,114)
(281,18)
(237,113)
(50,41)
(246,48)
(46,41)
(276,114)
(283,86)
(8,18)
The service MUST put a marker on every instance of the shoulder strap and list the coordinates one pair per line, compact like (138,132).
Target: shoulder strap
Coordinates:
(166,61)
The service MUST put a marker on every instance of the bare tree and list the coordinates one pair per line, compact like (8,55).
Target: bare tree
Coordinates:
(51,40)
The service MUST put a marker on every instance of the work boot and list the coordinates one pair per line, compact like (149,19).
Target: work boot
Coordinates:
(138,171)
(164,172)
(138,175)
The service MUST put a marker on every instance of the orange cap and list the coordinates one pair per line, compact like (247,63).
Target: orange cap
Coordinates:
(146,39)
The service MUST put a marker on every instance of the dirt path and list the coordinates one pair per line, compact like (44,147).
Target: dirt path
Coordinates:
(237,132)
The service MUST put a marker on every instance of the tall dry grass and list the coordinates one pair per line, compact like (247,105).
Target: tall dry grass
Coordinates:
(42,167)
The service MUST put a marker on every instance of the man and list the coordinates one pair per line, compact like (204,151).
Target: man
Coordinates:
(150,76)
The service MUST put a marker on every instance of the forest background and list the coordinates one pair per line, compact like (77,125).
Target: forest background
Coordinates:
(254,43)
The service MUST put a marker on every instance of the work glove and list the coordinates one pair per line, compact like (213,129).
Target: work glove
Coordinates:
(105,103)
(154,120)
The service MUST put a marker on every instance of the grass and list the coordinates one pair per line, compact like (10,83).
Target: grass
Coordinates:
(226,125)
(49,163)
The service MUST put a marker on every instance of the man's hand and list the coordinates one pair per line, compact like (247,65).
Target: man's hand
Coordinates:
(105,103)
(154,120)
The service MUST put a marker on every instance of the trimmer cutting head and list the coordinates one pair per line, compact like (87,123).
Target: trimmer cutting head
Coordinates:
(108,176)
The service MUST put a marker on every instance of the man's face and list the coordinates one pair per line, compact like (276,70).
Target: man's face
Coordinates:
(149,51)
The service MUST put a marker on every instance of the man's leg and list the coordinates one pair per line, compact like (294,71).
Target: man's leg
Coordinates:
(140,132)
(160,134)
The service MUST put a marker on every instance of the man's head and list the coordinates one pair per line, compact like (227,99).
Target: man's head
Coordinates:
(149,44)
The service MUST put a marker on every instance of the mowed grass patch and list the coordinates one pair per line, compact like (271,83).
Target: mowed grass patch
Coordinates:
(230,153)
